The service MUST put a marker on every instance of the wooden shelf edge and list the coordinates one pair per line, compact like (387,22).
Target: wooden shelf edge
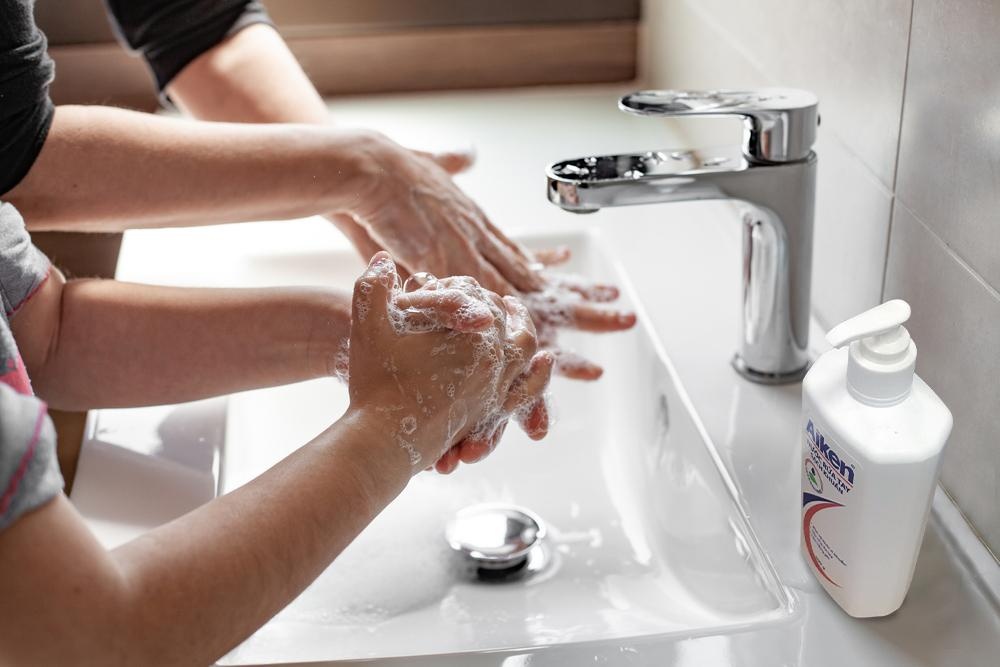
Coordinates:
(424,59)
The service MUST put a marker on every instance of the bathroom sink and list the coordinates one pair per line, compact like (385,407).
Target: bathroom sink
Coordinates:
(645,536)
(649,555)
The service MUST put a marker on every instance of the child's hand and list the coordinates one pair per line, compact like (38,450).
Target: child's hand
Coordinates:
(441,369)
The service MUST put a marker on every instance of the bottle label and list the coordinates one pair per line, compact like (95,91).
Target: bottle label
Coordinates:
(829,478)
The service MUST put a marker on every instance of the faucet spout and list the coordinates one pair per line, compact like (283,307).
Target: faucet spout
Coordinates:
(777,223)
(655,177)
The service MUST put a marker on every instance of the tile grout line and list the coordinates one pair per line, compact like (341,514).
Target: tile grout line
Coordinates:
(894,200)
(993,291)
(713,25)
(952,254)
(737,46)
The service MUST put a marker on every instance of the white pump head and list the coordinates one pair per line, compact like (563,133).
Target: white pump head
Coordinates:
(882,357)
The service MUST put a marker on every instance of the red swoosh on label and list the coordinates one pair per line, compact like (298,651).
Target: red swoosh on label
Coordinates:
(806,521)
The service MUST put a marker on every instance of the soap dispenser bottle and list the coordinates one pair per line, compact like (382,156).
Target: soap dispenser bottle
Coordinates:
(873,433)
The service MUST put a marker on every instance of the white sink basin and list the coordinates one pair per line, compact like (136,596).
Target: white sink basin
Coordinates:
(650,548)
(143,467)
(647,538)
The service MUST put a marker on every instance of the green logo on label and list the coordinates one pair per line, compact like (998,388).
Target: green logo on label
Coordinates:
(813,476)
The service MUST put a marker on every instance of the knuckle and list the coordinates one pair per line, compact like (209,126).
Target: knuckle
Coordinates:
(530,339)
(527,342)
(366,283)
(454,300)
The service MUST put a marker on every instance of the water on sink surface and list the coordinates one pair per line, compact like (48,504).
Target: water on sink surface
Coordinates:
(645,537)
(399,564)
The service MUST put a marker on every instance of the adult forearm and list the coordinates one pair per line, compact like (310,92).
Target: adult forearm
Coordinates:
(104,169)
(121,344)
(251,77)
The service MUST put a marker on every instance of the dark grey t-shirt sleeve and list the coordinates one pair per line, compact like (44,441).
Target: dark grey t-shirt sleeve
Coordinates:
(25,74)
(169,34)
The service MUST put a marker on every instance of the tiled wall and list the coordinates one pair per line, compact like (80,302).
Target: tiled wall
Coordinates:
(908,202)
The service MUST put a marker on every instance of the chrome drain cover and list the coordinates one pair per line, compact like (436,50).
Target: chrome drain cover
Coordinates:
(501,541)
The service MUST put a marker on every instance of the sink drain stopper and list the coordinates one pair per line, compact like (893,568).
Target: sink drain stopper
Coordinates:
(500,541)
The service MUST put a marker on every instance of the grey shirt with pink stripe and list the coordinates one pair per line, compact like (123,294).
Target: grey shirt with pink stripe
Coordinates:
(29,470)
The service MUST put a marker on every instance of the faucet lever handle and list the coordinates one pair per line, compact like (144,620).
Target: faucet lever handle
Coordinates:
(779,123)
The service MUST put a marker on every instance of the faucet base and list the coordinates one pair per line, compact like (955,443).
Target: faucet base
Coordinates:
(767,378)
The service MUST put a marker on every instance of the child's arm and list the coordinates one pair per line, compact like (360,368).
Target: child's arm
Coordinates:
(103,343)
(189,591)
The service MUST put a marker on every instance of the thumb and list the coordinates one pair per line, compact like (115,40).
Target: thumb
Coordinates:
(373,292)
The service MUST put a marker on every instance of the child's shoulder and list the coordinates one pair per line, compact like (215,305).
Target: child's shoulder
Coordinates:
(12,227)
(22,266)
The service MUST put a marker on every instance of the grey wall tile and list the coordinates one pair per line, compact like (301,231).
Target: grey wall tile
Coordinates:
(949,172)
(680,49)
(852,53)
(852,230)
(956,326)
(853,205)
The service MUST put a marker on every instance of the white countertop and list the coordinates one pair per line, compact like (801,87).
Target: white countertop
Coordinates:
(684,261)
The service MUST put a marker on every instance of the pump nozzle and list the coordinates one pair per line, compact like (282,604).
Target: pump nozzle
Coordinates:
(882,357)
(878,320)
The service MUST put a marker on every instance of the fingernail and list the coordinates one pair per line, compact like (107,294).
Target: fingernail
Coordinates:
(380,261)
(541,360)
(468,152)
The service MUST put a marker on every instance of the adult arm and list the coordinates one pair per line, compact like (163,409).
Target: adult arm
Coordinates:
(252,77)
(97,169)
(104,169)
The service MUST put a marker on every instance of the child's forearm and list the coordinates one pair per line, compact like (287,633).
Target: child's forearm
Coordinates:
(251,552)
(120,344)
(104,169)
(191,590)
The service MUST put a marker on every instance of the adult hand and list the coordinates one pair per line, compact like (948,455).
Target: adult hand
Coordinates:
(412,208)
(443,381)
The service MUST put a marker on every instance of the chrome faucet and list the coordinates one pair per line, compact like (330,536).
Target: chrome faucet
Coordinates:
(773,172)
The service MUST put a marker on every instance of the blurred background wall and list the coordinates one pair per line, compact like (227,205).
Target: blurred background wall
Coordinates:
(367,46)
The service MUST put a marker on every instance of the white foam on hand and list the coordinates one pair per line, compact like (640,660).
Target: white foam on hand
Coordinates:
(479,342)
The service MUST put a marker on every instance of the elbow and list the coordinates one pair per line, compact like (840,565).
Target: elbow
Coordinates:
(37,327)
